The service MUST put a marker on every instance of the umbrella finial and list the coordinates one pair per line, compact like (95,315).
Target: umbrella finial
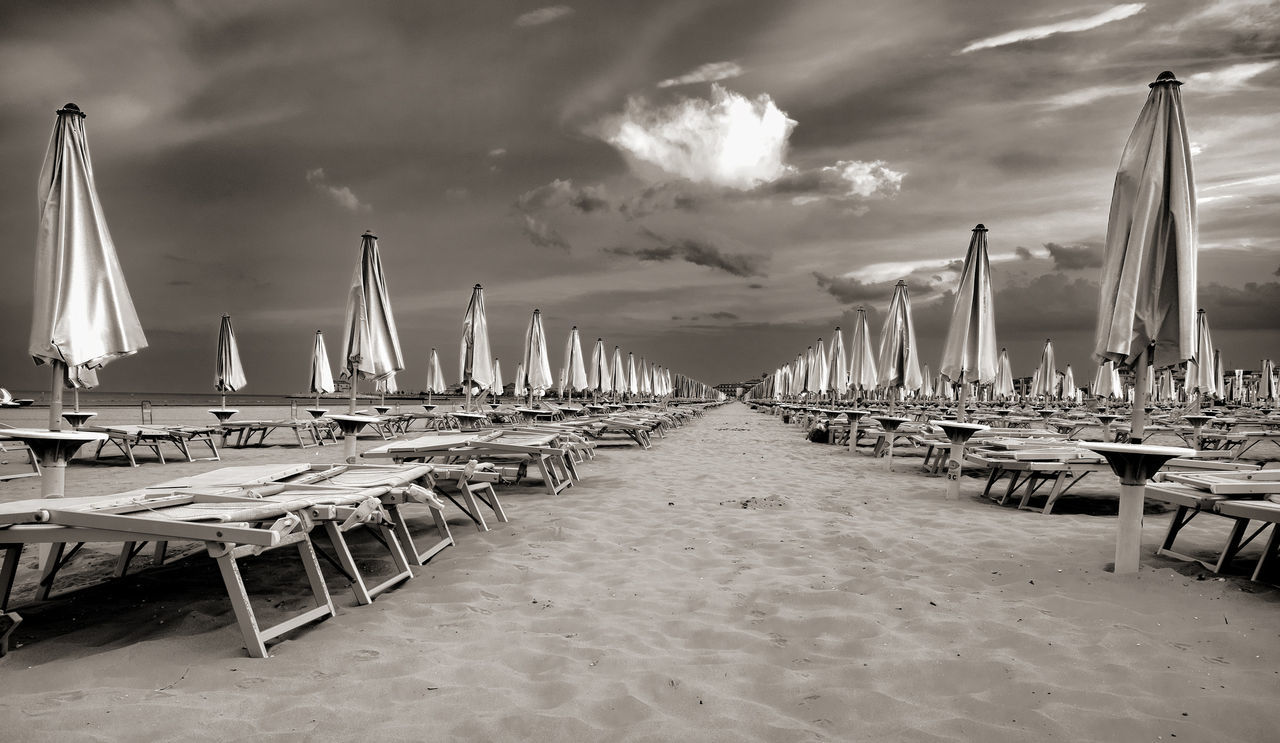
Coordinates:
(1165,78)
(980,228)
(902,282)
(477,286)
(71,108)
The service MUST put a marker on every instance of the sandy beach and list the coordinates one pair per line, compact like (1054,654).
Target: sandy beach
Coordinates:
(733,583)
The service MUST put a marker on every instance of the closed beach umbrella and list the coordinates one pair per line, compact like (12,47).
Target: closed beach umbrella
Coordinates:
(475,360)
(435,375)
(321,372)
(370,343)
(598,375)
(927,389)
(862,357)
(535,374)
(617,373)
(633,381)
(1267,383)
(229,372)
(82,314)
(1200,369)
(1069,384)
(518,386)
(899,361)
(1148,286)
(837,366)
(969,354)
(818,371)
(575,369)
(1044,383)
(496,385)
(1003,386)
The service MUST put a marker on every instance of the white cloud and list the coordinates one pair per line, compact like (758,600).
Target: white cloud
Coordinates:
(1085,96)
(1118,13)
(867,178)
(544,15)
(707,73)
(1228,79)
(729,140)
(342,195)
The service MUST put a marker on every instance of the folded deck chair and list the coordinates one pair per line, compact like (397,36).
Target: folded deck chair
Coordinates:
(230,531)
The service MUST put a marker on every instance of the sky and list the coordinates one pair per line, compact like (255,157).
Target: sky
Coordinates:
(711,185)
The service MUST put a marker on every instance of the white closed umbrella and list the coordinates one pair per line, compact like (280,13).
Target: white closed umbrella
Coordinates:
(82,314)
(862,357)
(229,371)
(837,366)
(535,378)
(969,355)
(321,372)
(475,360)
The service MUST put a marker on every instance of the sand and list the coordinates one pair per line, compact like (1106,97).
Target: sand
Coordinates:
(734,583)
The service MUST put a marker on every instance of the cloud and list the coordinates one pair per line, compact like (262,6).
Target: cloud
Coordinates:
(1229,79)
(1074,257)
(342,195)
(1118,13)
(845,179)
(722,316)
(697,252)
(1253,306)
(561,193)
(730,140)
(761,286)
(1023,253)
(542,234)
(849,290)
(1085,96)
(543,15)
(707,73)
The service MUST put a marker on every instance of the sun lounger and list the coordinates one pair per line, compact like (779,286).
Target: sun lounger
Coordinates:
(11,448)
(127,438)
(1193,495)
(541,450)
(230,531)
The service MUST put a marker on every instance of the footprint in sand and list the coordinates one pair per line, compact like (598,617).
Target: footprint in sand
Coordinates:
(250,682)
(777,639)
(366,655)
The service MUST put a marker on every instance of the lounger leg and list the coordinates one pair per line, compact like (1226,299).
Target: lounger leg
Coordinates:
(241,606)
(1268,551)
(52,563)
(348,563)
(401,528)
(1233,544)
(491,499)
(8,569)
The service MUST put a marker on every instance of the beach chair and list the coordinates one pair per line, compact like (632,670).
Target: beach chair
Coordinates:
(230,531)
(1241,496)
(9,448)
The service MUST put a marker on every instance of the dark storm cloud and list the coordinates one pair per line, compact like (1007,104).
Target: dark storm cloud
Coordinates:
(849,290)
(697,252)
(1255,306)
(723,316)
(563,193)
(1023,253)
(1074,257)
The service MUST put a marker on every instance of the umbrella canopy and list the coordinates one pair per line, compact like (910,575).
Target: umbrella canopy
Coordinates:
(970,351)
(1003,385)
(926,385)
(899,360)
(370,343)
(575,370)
(386,384)
(82,314)
(643,378)
(475,360)
(1268,385)
(535,373)
(1069,384)
(862,358)
(818,368)
(1200,372)
(1044,383)
(497,385)
(837,365)
(633,381)
(321,372)
(229,374)
(518,387)
(618,372)
(435,375)
(598,375)
(1148,286)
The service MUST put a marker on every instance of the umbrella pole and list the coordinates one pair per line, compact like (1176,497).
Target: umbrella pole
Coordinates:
(964,399)
(55,397)
(75,396)
(224,401)
(1138,416)
(467,384)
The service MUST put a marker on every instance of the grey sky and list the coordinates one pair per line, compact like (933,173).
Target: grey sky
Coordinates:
(757,169)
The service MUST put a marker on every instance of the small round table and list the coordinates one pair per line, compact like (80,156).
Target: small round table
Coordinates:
(222,414)
(854,417)
(890,424)
(1134,464)
(351,426)
(317,412)
(957,433)
(77,418)
(53,449)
